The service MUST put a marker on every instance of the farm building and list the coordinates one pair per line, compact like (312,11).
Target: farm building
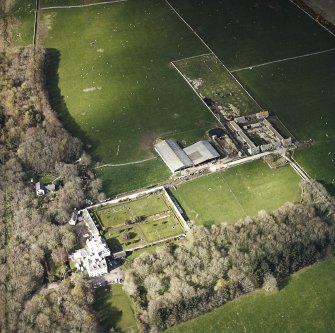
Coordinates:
(177,158)
(201,152)
(173,155)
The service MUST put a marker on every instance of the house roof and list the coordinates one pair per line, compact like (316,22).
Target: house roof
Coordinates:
(173,155)
(200,152)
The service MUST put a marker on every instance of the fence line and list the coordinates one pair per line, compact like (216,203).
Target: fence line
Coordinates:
(81,6)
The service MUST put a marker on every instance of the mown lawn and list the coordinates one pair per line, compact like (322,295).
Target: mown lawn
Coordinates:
(115,87)
(115,309)
(212,81)
(306,304)
(238,192)
(117,214)
(245,33)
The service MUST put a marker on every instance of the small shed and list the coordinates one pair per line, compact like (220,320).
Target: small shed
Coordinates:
(74,217)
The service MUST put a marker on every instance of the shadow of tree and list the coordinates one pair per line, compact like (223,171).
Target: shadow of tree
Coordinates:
(56,99)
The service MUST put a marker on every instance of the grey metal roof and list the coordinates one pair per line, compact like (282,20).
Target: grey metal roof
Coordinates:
(200,152)
(173,155)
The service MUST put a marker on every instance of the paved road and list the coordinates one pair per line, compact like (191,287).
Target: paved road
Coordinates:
(114,276)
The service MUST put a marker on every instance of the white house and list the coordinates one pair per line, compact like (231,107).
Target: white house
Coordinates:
(42,190)
(92,256)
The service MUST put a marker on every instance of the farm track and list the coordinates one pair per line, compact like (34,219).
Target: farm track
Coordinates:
(123,164)
(283,60)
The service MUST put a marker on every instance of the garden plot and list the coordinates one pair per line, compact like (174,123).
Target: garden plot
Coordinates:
(138,223)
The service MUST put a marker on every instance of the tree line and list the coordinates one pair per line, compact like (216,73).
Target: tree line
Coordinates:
(34,234)
(219,263)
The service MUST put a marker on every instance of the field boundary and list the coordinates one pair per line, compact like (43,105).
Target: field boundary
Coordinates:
(282,60)
(192,57)
(204,43)
(81,6)
(311,16)
(189,83)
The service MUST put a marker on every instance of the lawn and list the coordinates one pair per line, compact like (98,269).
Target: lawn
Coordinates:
(238,192)
(157,221)
(245,33)
(146,206)
(213,82)
(111,82)
(306,304)
(143,234)
(114,308)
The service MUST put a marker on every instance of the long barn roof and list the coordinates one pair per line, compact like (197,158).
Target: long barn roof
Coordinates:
(201,152)
(173,155)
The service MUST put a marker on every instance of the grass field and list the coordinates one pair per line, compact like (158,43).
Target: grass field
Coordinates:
(319,162)
(301,93)
(117,90)
(212,81)
(114,308)
(125,178)
(24,14)
(238,192)
(306,304)
(245,33)
(157,221)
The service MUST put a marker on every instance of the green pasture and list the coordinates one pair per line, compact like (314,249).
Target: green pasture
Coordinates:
(319,162)
(306,303)
(125,178)
(300,92)
(213,82)
(111,82)
(24,15)
(238,192)
(246,33)
(117,214)
(114,308)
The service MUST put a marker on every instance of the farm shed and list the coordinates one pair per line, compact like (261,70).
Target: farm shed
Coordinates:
(201,152)
(173,155)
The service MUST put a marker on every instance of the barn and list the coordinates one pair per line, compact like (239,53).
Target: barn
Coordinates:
(201,152)
(177,158)
(173,155)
